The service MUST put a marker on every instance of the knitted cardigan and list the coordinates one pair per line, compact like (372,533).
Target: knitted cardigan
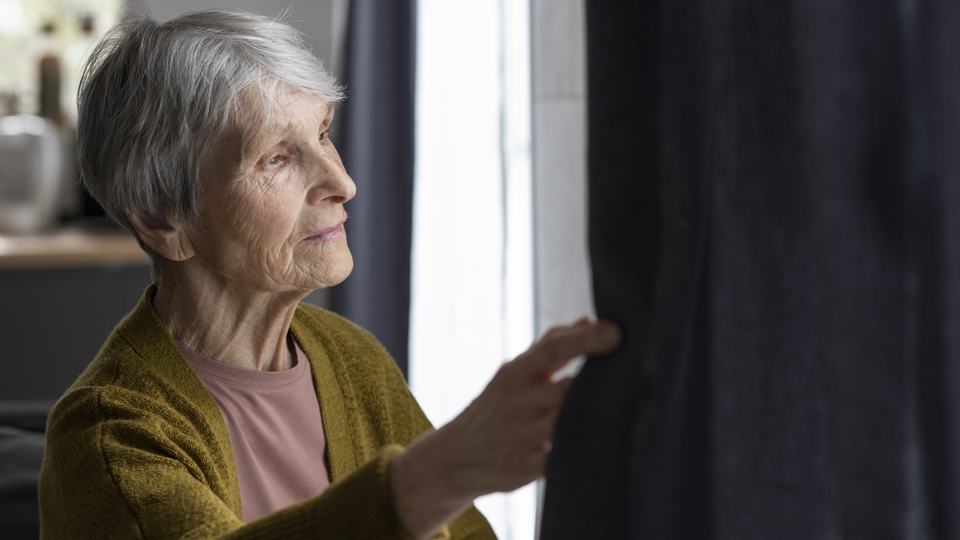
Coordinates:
(137,448)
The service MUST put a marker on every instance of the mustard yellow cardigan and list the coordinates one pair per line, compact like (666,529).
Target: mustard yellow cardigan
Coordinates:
(137,448)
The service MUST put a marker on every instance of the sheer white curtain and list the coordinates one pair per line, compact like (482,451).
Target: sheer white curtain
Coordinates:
(471,290)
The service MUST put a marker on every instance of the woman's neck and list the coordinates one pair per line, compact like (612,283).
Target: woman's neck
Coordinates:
(228,323)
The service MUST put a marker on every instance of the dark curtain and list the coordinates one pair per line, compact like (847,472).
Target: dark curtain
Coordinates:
(375,140)
(775,221)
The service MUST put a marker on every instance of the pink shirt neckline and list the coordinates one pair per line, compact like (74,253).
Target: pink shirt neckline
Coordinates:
(275,427)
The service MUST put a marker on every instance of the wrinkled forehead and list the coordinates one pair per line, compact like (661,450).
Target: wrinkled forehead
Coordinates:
(276,108)
(260,119)
(264,113)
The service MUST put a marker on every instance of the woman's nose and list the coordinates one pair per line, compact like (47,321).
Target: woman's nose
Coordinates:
(328,180)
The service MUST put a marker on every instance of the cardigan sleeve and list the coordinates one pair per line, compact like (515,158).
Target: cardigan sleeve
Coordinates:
(411,422)
(385,411)
(470,525)
(129,454)
(114,470)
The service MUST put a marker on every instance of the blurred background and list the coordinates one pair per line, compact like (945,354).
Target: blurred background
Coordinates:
(773,192)
(464,130)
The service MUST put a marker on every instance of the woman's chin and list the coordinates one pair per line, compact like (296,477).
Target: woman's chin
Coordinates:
(335,271)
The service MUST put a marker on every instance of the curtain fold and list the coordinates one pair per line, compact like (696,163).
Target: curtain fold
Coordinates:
(773,195)
(376,143)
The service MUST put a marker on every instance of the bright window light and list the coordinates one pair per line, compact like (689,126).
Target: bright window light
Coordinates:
(471,289)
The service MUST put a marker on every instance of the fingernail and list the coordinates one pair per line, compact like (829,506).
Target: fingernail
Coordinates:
(586,319)
(611,332)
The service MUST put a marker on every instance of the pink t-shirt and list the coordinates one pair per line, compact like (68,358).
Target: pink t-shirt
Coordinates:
(273,418)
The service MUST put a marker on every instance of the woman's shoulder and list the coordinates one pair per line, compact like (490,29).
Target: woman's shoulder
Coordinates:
(315,327)
(133,400)
(341,350)
(140,356)
(130,382)
(139,375)
(358,381)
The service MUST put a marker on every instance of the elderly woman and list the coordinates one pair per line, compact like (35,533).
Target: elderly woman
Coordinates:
(221,406)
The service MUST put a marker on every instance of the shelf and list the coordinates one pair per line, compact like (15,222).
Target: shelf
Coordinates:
(71,247)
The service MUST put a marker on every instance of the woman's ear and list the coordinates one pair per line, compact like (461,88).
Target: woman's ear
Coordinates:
(169,239)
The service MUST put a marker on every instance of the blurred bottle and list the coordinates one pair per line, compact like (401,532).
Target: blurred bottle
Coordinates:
(50,76)
(74,57)
(9,104)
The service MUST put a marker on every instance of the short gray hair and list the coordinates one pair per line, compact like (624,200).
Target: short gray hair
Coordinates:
(154,97)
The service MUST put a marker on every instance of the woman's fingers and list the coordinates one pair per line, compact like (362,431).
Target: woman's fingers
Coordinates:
(500,442)
(544,398)
(556,331)
(563,343)
(585,320)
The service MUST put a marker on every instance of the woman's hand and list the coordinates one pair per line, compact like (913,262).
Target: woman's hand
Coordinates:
(501,441)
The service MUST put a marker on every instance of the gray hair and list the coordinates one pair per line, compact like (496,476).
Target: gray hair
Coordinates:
(154,97)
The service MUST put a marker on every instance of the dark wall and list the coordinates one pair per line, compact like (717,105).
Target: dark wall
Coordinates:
(54,321)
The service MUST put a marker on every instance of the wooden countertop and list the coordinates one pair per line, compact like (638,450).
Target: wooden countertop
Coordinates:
(71,247)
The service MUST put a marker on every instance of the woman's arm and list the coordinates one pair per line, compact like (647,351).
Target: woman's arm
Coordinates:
(498,443)
(119,465)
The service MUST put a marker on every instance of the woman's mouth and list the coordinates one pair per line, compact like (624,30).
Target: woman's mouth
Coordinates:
(328,233)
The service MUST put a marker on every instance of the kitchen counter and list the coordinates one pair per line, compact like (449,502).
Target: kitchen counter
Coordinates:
(79,280)
(74,246)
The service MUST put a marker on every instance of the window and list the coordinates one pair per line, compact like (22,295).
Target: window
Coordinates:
(471,290)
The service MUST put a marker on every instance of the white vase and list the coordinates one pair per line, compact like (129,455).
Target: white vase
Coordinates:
(31,165)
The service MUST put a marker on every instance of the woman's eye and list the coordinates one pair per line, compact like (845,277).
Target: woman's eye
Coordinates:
(272,161)
(325,135)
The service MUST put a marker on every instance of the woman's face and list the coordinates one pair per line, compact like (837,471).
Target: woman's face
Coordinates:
(272,202)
